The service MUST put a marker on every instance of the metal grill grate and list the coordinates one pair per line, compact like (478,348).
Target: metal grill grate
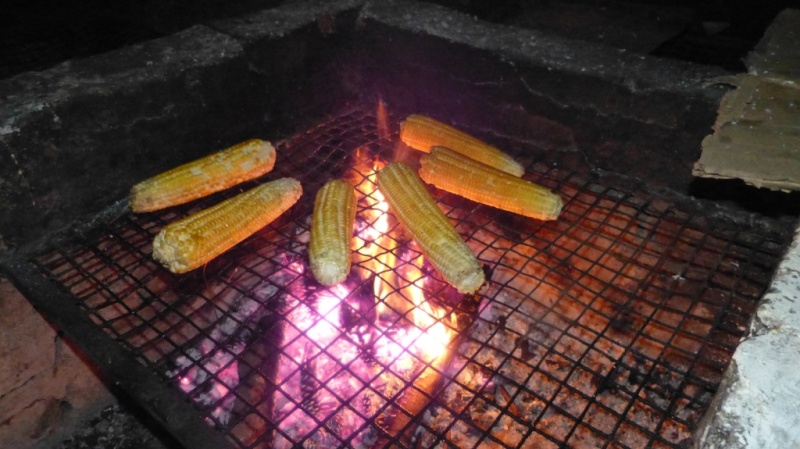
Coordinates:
(610,327)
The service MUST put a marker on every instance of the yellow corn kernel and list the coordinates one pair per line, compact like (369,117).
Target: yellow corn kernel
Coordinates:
(332,232)
(457,174)
(192,241)
(204,176)
(422,133)
(429,227)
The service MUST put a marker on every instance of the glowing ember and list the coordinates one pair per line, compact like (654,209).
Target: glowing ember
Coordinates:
(347,354)
(339,373)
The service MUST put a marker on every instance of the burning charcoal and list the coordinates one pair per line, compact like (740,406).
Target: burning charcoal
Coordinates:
(635,377)
(488,271)
(623,321)
(349,317)
(208,371)
(610,381)
(540,333)
(524,347)
(701,400)
(501,321)
(512,407)
(310,382)
(363,300)
(257,368)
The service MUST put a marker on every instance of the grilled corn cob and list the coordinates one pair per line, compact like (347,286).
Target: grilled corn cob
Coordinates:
(427,224)
(332,232)
(422,133)
(192,241)
(204,176)
(457,174)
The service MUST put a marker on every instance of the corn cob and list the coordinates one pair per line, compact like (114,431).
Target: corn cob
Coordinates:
(192,241)
(457,174)
(204,176)
(332,232)
(422,133)
(429,227)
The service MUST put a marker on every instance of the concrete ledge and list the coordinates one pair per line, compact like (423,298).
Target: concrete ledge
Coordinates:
(76,137)
(564,59)
(756,406)
(279,21)
(300,53)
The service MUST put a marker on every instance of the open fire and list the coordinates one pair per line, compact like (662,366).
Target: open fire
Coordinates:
(358,359)
(612,325)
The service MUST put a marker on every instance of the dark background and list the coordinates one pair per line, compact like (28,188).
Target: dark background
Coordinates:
(38,34)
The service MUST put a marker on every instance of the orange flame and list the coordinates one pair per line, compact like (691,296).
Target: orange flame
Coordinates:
(398,284)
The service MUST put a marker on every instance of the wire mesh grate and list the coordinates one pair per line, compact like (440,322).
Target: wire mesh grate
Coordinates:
(610,327)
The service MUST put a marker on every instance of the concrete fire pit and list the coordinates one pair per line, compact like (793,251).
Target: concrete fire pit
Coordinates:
(74,138)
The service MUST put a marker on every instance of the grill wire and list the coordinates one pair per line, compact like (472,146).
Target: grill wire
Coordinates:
(610,327)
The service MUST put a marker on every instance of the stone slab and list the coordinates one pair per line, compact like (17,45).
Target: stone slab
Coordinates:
(634,26)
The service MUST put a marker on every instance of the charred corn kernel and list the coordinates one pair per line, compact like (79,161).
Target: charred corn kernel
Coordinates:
(192,241)
(213,173)
(422,133)
(457,174)
(332,232)
(429,227)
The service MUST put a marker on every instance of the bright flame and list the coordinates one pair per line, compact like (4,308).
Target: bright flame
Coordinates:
(398,284)
(327,307)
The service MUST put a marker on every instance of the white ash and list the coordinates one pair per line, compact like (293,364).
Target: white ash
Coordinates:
(333,381)
(208,371)
(317,401)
